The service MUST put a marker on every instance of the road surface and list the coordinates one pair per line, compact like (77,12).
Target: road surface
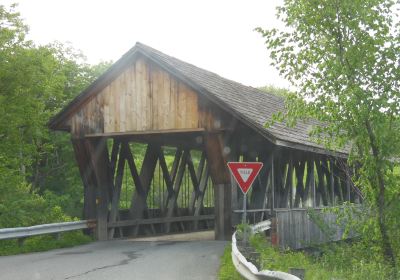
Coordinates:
(119,259)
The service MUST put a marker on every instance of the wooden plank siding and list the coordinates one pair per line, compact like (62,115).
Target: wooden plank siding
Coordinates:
(296,229)
(144,97)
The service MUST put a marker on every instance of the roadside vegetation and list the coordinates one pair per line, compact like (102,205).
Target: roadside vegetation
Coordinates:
(39,180)
(341,57)
(43,243)
(342,260)
(227,270)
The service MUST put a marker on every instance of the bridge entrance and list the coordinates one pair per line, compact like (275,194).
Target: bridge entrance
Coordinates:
(153,188)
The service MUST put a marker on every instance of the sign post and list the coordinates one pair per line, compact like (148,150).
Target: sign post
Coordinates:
(245,173)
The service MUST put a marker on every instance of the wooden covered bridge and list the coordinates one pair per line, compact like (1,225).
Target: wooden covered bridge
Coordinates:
(152,137)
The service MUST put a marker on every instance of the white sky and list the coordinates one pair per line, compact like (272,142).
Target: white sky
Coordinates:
(215,35)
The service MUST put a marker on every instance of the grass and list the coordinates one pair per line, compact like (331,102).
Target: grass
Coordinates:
(43,243)
(227,269)
(334,261)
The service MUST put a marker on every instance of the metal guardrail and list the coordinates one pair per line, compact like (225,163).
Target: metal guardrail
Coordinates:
(22,232)
(249,270)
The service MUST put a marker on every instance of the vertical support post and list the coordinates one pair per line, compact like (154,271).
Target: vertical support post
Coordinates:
(234,156)
(244,218)
(214,146)
(290,182)
(332,182)
(274,232)
(348,187)
(312,182)
(97,149)
(88,178)
(272,178)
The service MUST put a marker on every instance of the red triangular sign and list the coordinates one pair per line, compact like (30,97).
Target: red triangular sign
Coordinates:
(245,173)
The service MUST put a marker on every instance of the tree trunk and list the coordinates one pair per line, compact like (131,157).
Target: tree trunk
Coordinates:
(385,242)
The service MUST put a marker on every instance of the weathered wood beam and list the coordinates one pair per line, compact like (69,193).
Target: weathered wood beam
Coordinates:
(134,172)
(299,168)
(88,178)
(196,191)
(202,187)
(287,200)
(117,188)
(139,204)
(114,154)
(337,182)
(97,150)
(164,169)
(127,223)
(321,183)
(215,145)
(172,201)
(332,182)
(272,179)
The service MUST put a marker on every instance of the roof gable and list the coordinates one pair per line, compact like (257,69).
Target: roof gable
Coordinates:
(254,107)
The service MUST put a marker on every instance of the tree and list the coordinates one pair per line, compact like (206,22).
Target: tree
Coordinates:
(37,168)
(343,58)
(278,91)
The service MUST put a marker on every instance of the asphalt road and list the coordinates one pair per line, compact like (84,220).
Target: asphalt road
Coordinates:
(119,259)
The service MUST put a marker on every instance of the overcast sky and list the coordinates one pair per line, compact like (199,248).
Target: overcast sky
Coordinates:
(216,35)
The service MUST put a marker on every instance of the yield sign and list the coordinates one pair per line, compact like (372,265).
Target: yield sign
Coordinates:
(245,173)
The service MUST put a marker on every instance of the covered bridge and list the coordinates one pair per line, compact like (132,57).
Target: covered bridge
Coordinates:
(190,122)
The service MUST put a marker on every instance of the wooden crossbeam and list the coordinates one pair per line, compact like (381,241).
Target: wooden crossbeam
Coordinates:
(337,182)
(288,183)
(332,183)
(192,172)
(137,222)
(139,198)
(309,178)
(88,178)
(164,169)
(321,183)
(266,191)
(169,178)
(172,176)
(202,191)
(134,172)
(172,201)
(196,184)
(299,168)
(117,188)
(114,154)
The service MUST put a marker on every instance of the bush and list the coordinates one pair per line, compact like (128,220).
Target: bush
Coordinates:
(351,261)
(43,243)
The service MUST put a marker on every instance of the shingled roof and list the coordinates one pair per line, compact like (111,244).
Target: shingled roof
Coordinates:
(253,106)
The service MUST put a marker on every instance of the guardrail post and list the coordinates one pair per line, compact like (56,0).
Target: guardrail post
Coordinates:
(21,241)
(299,272)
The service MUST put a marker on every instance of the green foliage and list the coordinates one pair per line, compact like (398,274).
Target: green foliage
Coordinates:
(318,219)
(283,92)
(227,270)
(39,180)
(243,232)
(333,261)
(342,56)
(43,243)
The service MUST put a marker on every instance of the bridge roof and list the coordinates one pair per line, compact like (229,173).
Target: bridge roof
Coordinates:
(250,105)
